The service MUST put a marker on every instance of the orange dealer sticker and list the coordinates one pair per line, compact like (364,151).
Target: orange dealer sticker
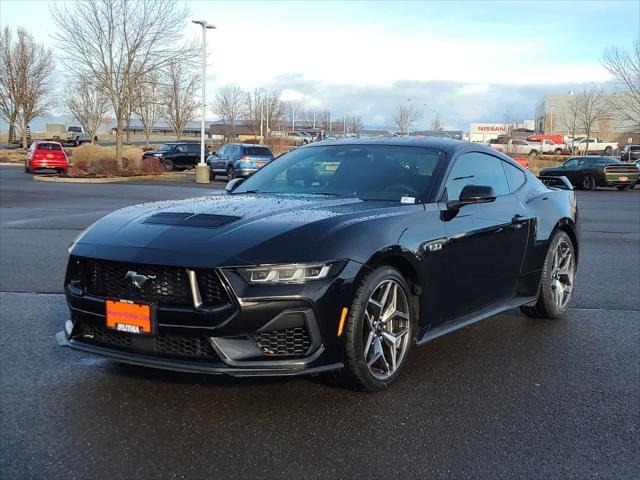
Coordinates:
(129,317)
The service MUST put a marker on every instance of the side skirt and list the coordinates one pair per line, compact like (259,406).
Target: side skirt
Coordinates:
(476,316)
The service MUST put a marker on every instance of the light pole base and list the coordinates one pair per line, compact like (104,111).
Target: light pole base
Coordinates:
(202,173)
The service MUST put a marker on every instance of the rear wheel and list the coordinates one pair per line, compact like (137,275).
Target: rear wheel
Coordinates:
(558,278)
(588,182)
(533,153)
(608,151)
(379,330)
(558,151)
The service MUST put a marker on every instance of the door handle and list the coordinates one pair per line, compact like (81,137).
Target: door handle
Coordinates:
(516,218)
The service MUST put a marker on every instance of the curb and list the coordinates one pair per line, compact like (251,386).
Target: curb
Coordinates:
(164,176)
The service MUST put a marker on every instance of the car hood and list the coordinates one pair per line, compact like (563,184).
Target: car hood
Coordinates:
(221,230)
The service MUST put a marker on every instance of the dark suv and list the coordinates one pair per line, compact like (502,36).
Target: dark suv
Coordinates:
(238,160)
(176,155)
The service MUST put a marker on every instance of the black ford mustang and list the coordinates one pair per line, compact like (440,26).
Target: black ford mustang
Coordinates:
(336,256)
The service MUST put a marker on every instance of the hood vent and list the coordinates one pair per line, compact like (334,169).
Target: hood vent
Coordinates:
(182,219)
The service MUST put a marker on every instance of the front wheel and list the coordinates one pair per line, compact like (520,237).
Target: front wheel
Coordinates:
(76,142)
(588,182)
(558,278)
(379,331)
(230,173)
(168,165)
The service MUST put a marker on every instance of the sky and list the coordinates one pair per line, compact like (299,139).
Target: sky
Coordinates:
(468,61)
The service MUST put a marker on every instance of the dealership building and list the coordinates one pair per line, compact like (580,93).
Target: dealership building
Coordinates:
(483,132)
(553,114)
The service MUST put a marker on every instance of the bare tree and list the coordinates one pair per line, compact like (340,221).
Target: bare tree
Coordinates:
(294,112)
(570,120)
(179,97)
(146,104)
(354,124)
(403,117)
(253,112)
(11,86)
(592,107)
(87,105)
(624,67)
(323,120)
(230,104)
(114,42)
(275,111)
(26,68)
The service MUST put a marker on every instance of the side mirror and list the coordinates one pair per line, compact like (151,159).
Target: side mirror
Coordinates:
(472,194)
(233,184)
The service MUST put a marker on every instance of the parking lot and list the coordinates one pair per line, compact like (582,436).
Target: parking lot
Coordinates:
(508,397)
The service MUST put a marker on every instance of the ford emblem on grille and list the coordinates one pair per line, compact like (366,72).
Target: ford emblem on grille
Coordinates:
(137,279)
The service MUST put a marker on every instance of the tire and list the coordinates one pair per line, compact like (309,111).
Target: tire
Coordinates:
(360,330)
(168,165)
(76,142)
(557,151)
(212,176)
(624,187)
(588,182)
(608,151)
(556,274)
(533,153)
(230,173)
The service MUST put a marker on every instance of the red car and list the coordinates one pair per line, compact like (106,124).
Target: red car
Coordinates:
(48,155)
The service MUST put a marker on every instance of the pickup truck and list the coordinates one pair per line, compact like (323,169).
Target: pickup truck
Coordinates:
(524,147)
(77,135)
(595,146)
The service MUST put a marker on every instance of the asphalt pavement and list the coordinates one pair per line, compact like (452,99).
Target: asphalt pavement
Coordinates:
(509,397)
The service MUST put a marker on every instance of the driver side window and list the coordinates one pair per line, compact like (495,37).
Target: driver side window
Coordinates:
(570,163)
(475,168)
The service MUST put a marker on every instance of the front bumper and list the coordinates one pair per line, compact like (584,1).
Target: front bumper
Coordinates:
(289,368)
(245,338)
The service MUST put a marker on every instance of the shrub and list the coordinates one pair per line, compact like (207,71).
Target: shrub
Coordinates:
(152,166)
(104,167)
(96,160)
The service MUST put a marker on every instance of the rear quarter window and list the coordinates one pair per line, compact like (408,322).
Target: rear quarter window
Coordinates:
(515,176)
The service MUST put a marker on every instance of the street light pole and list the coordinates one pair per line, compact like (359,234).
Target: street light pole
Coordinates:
(202,171)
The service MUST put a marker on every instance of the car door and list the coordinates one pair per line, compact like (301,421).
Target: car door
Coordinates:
(485,242)
(193,154)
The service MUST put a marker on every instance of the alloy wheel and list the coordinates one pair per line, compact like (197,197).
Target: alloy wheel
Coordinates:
(588,183)
(562,274)
(386,329)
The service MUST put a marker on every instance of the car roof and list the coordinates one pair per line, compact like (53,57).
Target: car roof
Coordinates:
(248,144)
(448,145)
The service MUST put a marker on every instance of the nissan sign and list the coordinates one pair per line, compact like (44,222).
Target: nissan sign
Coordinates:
(491,128)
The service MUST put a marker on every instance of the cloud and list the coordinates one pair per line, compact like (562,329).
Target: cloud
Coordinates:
(457,103)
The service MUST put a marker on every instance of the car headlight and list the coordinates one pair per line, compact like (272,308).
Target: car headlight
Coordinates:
(290,273)
(157,154)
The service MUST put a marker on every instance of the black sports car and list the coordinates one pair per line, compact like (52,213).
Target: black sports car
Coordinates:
(368,248)
(595,171)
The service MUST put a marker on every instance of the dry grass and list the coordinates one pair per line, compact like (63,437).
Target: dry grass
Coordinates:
(13,155)
(543,161)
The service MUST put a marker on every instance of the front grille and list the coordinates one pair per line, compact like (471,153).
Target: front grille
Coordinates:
(193,347)
(166,285)
(285,342)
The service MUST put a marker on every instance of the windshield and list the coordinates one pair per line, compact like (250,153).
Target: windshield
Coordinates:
(166,147)
(369,172)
